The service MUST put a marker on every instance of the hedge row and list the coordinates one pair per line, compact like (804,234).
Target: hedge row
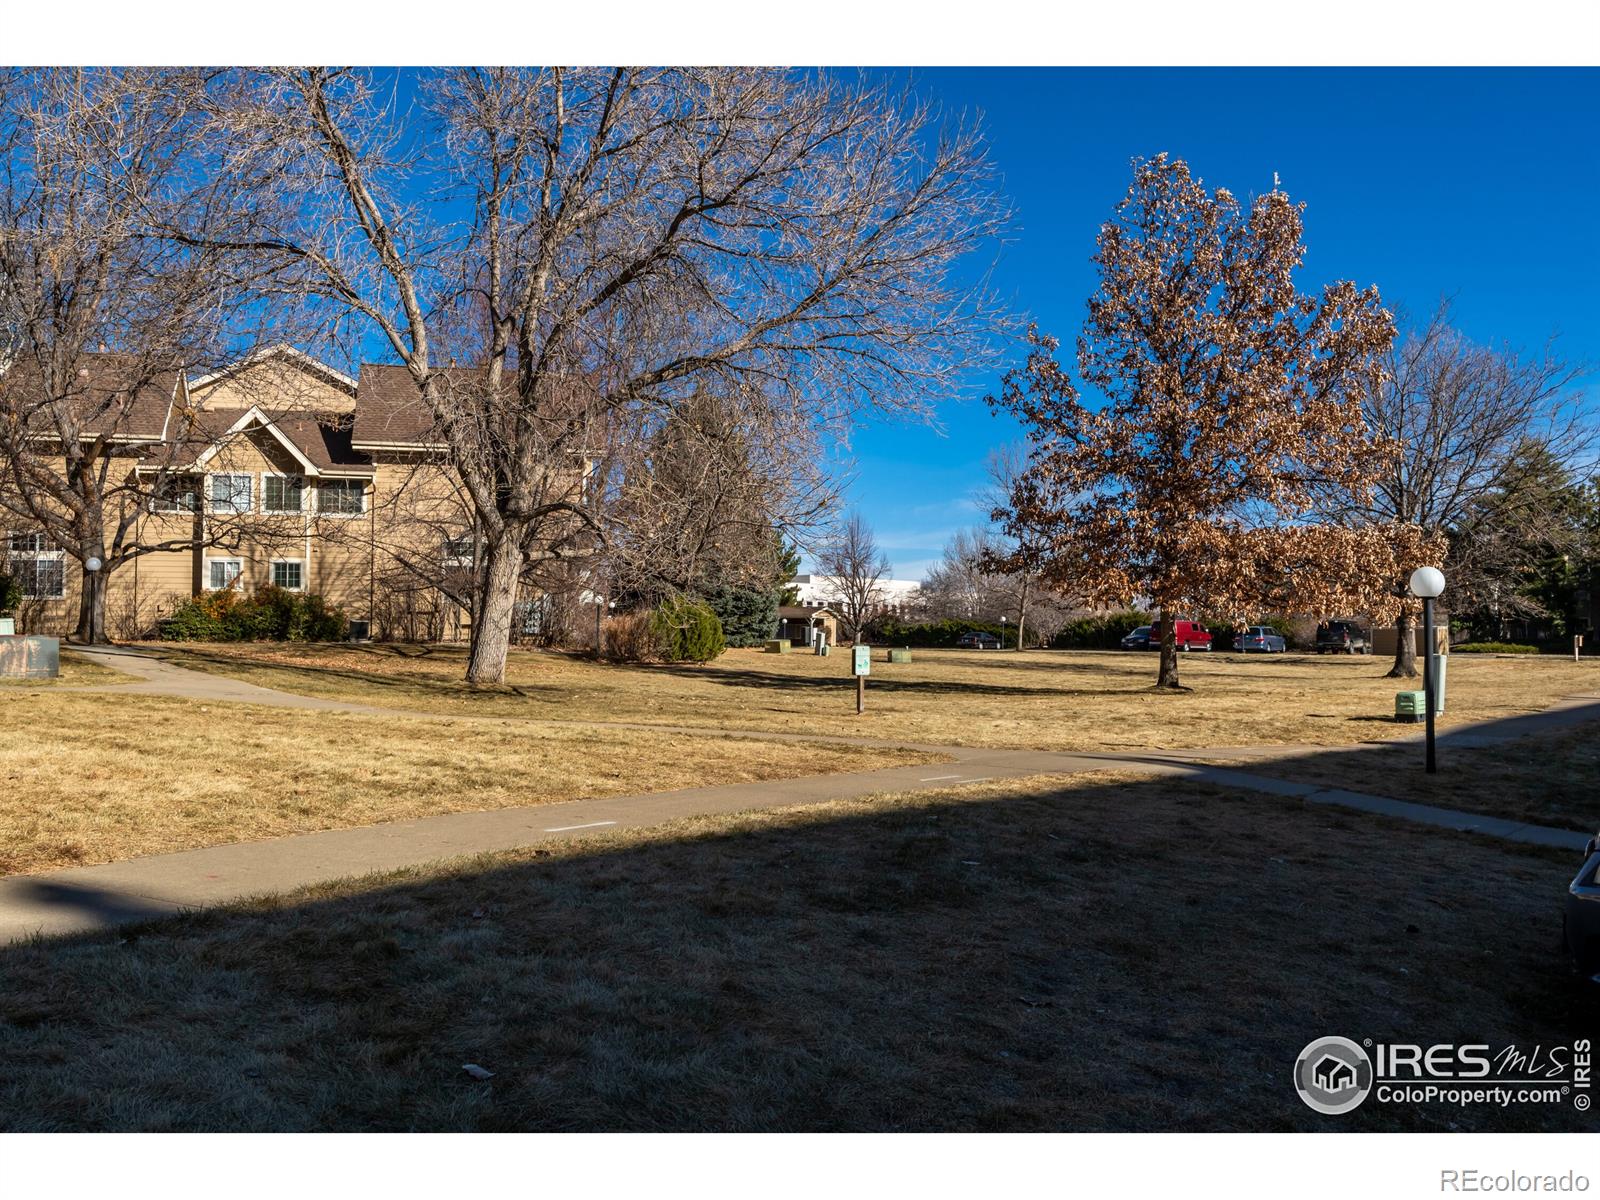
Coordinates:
(269,614)
(1494,648)
(934,634)
(1103,632)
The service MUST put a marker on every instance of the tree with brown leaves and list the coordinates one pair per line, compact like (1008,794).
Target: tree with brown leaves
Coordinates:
(1229,397)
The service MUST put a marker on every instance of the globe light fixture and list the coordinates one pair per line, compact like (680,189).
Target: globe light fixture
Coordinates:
(1427,583)
(92,564)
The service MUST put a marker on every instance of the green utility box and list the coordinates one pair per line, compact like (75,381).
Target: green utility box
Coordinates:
(1410,707)
(778,646)
(900,656)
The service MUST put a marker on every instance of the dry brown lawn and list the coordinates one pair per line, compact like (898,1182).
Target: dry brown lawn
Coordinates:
(1547,780)
(1043,699)
(88,778)
(1099,953)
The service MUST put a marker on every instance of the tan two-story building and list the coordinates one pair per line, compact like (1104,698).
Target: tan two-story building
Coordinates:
(279,470)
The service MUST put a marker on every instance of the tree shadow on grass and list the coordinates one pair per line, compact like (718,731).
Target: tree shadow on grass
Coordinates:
(1145,955)
(880,681)
(407,684)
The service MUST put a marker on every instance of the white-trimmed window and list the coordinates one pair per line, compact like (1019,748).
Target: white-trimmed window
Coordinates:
(342,497)
(232,493)
(221,572)
(289,574)
(37,564)
(174,494)
(458,551)
(282,493)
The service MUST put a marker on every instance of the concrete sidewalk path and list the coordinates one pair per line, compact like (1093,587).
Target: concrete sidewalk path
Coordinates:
(99,897)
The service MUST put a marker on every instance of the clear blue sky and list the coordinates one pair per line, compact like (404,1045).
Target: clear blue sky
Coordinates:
(1481,185)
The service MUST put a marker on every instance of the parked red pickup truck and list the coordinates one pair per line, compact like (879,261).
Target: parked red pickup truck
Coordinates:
(1187,634)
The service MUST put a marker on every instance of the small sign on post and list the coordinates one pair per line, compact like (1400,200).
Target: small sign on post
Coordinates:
(1577,646)
(861,665)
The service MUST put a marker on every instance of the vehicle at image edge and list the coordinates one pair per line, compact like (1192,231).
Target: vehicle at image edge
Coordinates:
(1343,637)
(1260,639)
(1189,635)
(977,639)
(1136,639)
(1580,923)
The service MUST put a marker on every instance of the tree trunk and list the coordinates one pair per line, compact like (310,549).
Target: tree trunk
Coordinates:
(491,625)
(91,630)
(1022,615)
(1167,677)
(1405,649)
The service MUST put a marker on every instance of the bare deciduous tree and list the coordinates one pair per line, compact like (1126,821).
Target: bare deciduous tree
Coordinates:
(1230,396)
(614,242)
(1018,561)
(857,567)
(694,503)
(959,586)
(1468,422)
(102,316)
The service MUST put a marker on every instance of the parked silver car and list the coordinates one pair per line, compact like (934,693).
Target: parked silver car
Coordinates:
(1261,639)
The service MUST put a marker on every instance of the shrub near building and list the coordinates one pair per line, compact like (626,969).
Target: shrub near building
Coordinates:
(269,614)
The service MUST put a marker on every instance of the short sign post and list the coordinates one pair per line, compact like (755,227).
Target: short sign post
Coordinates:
(861,664)
(1577,646)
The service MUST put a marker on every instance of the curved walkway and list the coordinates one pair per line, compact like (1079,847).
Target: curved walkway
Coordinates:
(98,897)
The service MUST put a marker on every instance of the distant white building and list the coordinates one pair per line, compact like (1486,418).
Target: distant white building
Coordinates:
(900,596)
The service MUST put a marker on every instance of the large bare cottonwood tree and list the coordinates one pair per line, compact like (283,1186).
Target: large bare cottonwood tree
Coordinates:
(600,245)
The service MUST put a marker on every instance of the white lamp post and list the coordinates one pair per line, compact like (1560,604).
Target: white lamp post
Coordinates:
(91,567)
(1427,583)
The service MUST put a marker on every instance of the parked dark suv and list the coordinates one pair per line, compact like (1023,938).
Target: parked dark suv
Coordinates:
(1343,637)
(977,639)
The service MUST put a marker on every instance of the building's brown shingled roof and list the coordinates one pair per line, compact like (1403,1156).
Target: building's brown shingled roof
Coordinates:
(389,408)
(325,441)
(324,438)
(101,393)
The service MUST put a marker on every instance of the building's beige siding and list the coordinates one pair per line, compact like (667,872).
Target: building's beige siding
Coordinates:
(277,385)
(376,565)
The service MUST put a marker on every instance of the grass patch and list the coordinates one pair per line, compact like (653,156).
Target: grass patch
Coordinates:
(87,778)
(1543,779)
(1041,699)
(1088,954)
